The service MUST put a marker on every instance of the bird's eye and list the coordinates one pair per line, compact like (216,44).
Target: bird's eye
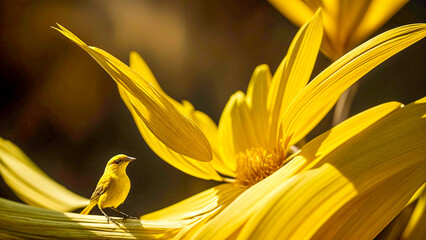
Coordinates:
(117,161)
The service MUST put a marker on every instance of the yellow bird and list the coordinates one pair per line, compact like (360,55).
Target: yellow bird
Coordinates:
(112,188)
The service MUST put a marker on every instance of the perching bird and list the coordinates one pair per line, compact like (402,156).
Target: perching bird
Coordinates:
(112,188)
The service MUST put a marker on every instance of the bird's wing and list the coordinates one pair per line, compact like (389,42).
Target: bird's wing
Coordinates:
(100,188)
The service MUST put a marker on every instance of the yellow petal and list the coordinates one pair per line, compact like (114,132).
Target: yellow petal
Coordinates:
(200,208)
(416,225)
(23,221)
(324,144)
(233,217)
(31,184)
(236,128)
(190,166)
(295,10)
(199,204)
(308,107)
(158,113)
(350,15)
(257,96)
(293,75)
(379,11)
(138,64)
(204,122)
(210,129)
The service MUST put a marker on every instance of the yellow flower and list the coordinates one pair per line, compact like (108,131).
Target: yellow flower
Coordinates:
(347,183)
(346,23)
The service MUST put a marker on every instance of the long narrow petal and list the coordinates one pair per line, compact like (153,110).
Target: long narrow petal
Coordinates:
(162,118)
(326,143)
(416,225)
(31,184)
(210,129)
(199,204)
(308,107)
(295,10)
(204,122)
(200,208)
(257,97)
(236,129)
(377,14)
(293,76)
(350,15)
(26,222)
(190,166)
(233,217)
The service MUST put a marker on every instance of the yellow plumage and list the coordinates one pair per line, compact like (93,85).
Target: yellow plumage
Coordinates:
(113,187)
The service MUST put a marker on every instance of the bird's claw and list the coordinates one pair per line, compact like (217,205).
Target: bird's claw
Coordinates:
(129,217)
(112,220)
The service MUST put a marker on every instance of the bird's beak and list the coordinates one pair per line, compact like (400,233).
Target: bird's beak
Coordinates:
(129,159)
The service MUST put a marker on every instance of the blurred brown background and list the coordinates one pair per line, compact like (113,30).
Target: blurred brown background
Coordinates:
(64,111)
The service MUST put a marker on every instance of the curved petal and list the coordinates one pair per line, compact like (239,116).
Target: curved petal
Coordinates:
(350,15)
(325,89)
(236,129)
(415,228)
(233,217)
(190,166)
(31,184)
(199,204)
(378,12)
(257,97)
(327,142)
(200,208)
(293,73)
(210,129)
(160,116)
(26,222)
(204,122)
(296,11)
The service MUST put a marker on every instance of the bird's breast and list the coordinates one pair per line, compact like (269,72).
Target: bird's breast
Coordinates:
(116,193)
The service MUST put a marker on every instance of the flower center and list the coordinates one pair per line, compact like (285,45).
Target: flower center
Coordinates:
(255,164)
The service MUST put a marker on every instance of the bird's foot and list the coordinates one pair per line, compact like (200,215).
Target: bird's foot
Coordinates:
(126,216)
(112,220)
(129,217)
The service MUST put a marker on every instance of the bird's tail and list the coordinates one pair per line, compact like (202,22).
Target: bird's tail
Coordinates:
(89,207)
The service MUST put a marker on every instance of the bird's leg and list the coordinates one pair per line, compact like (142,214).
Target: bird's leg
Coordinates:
(109,218)
(124,214)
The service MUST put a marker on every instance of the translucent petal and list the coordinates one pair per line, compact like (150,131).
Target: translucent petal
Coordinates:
(324,144)
(190,166)
(236,129)
(294,72)
(23,221)
(31,184)
(210,129)
(201,203)
(204,122)
(379,11)
(233,217)
(325,89)
(158,113)
(295,10)
(257,96)
(350,15)
(416,225)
